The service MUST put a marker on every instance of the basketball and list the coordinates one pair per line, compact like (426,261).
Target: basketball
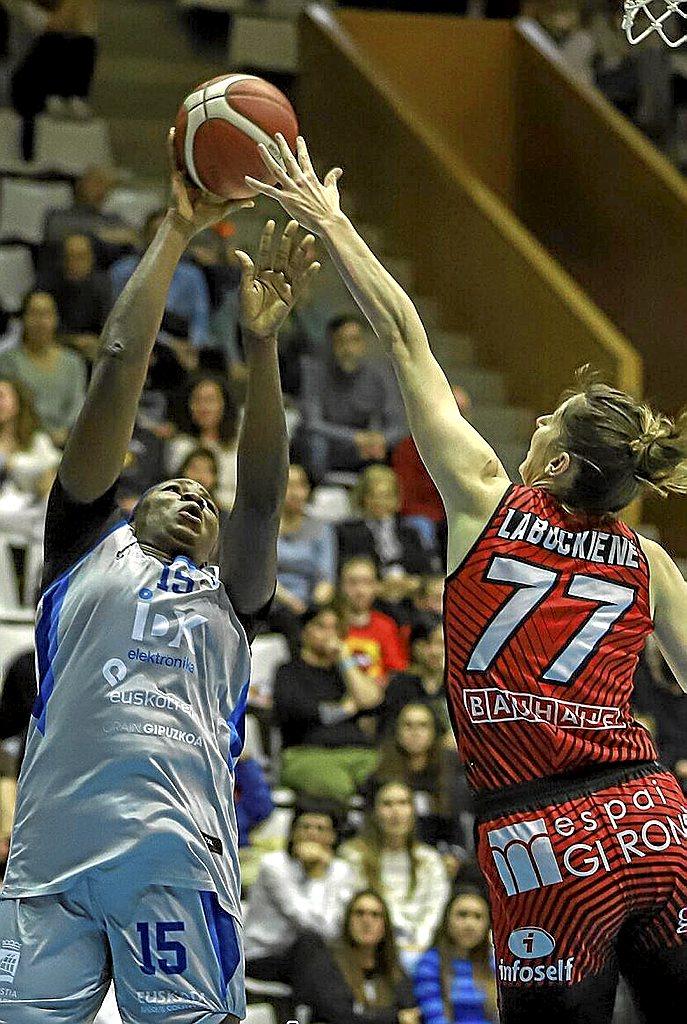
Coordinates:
(218,128)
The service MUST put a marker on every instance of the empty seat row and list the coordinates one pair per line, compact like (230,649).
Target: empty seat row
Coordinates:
(62,146)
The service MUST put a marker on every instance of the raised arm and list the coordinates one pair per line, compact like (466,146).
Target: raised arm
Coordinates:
(97,445)
(269,290)
(467,472)
(669,606)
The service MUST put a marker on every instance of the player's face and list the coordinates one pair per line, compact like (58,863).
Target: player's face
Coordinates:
(543,446)
(468,922)
(394,812)
(366,921)
(179,517)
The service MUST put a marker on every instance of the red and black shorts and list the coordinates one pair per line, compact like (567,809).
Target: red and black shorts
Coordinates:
(588,880)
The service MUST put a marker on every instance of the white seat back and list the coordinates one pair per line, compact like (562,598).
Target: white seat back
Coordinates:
(17,276)
(25,204)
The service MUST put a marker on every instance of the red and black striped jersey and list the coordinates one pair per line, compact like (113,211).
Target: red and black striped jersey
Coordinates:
(545,620)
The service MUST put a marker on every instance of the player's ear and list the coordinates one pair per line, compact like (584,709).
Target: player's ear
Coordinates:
(559,465)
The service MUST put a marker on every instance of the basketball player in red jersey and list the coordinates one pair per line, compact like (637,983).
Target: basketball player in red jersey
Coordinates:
(581,834)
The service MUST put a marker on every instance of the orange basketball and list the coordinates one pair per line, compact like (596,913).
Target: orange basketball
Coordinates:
(219,126)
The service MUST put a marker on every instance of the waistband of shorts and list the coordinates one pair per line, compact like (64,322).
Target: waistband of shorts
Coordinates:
(528,796)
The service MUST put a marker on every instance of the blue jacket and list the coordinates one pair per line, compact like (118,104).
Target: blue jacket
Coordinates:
(252,797)
(467,998)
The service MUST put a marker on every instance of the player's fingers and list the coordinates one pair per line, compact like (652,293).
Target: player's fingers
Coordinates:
(287,156)
(247,266)
(331,177)
(303,286)
(264,259)
(302,256)
(273,166)
(285,247)
(304,157)
(262,188)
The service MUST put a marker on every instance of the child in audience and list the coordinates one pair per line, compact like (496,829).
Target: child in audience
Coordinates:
(372,637)
(410,875)
(454,980)
(356,979)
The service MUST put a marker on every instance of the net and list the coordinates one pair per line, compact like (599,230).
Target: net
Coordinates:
(668,18)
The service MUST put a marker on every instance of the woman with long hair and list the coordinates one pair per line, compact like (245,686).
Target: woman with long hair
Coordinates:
(27,455)
(209,419)
(415,752)
(549,600)
(454,980)
(357,978)
(389,858)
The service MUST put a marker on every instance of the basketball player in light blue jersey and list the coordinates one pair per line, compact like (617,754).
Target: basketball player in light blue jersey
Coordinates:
(123,862)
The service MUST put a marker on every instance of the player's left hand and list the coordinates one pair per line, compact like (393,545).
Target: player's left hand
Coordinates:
(272,285)
(313,203)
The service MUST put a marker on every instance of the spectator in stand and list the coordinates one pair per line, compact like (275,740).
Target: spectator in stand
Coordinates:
(82,295)
(17,697)
(318,700)
(210,419)
(304,888)
(351,411)
(414,752)
(658,695)
(306,560)
(27,455)
(357,978)
(420,502)
(378,532)
(388,857)
(188,298)
(111,236)
(252,797)
(57,71)
(422,682)
(372,637)
(454,980)
(201,465)
(55,376)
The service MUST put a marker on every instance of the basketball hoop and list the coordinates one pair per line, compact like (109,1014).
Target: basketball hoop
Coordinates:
(666,17)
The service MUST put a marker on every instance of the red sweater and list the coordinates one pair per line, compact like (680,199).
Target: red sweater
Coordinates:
(419,496)
(377,647)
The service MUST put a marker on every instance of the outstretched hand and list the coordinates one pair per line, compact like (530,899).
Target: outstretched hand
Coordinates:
(272,285)
(197,210)
(304,197)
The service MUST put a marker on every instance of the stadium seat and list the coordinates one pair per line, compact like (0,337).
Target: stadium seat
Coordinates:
(24,205)
(10,134)
(260,1013)
(71,147)
(17,276)
(133,205)
(268,653)
(330,504)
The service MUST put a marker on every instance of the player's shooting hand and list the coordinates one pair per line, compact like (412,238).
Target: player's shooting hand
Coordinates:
(197,210)
(313,203)
(272,285)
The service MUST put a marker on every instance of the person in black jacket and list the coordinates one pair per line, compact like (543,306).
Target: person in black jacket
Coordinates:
(17,698)
(358,979)
(379,532)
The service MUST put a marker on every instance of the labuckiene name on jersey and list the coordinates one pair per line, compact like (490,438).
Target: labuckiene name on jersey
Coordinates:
(585,545)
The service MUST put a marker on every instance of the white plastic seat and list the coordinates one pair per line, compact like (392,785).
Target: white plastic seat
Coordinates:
(330,504)
(17,276)
(71,147)
(133,205)
(268,653)
(25,204)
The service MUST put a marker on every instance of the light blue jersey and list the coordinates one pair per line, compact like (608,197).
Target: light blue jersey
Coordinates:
(143,672)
